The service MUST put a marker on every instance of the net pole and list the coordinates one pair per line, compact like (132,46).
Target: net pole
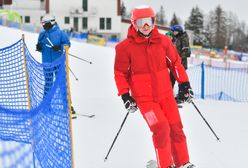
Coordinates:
(69,103)
(25,69)
(27,89)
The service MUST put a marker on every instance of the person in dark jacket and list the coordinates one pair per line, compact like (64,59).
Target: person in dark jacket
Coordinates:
(142,79)
(181,41)
(51,43)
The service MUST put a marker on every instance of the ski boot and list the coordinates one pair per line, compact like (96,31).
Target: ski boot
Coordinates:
(172,166)
(154,164)
(73,112)
(187,165)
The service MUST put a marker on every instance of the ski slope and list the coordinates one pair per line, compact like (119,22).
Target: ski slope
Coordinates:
(95,93)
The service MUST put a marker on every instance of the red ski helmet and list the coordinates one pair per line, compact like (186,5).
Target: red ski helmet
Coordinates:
(142,12)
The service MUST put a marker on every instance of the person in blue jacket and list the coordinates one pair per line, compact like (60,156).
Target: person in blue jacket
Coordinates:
(51,42)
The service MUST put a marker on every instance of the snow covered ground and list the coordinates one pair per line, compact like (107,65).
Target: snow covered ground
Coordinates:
(95,93)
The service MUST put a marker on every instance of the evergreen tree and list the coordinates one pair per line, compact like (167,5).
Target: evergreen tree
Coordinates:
(174,20)
(216,27)
(239,42)
(160,17)
(236,33)
(195,24)
(220,24)
(123,10)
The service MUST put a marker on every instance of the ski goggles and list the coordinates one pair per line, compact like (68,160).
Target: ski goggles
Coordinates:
(143,21)
(45,22)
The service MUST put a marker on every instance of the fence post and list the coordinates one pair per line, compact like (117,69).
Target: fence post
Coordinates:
(69,105)
(202,80)
(28,94)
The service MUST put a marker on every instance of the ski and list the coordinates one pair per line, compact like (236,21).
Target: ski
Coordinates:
(85,115)
(74,117)
(179,106)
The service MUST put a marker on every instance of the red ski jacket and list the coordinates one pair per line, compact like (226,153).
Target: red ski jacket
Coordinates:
(142,66)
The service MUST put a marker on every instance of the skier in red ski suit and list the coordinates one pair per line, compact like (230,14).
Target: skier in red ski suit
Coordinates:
(141,68)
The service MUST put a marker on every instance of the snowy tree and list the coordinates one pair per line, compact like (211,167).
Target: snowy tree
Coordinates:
(236,33)
(246,42)
(239,42)
(232,25)
(216,27)
(207,36)
(224,29)
(195,24)
(160,17)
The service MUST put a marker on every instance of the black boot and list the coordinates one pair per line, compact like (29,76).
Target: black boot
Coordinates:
(172,167)
(73,112)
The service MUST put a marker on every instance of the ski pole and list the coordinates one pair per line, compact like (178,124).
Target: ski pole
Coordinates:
(69,53)
(49,41)
(73,74)
(69,67)
(131,109)
(106,157)
(80,58)
(205,121)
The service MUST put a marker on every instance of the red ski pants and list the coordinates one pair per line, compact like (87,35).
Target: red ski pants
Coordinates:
(169,141)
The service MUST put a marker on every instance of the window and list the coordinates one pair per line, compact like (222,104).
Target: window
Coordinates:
(75,23)
(27,19)
(85,23)
(5,2)
(67,20)
(85,5)
(102,23)
(108,26)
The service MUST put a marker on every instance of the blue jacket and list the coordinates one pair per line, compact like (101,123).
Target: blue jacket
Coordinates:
(57,37)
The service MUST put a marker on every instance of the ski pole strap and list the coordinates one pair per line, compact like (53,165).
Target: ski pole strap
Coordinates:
(131,108)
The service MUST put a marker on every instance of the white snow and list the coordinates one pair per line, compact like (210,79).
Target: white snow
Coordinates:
(95,93)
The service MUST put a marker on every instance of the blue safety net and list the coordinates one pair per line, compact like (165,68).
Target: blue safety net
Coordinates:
(219,83)
(34,111)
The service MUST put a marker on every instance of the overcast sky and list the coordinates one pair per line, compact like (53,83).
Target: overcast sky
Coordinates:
(182,8)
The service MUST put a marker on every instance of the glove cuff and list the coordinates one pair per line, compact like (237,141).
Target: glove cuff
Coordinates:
(185,85)
(125,96)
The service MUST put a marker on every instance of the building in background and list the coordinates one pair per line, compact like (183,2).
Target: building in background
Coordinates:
(30,10)
(97,17)
(89,16)
(4,3)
